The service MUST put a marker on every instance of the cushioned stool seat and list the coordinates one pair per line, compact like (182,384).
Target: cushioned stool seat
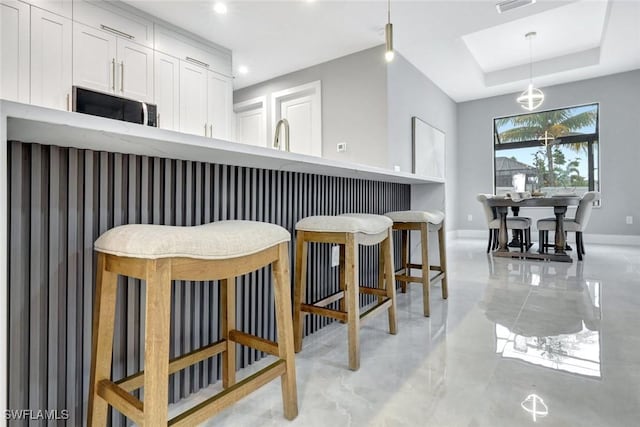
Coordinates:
(348,231)
(423,221)
(158,254)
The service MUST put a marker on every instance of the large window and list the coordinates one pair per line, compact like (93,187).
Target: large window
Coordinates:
(557,150)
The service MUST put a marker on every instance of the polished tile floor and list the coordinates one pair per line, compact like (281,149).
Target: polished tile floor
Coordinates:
(518,343)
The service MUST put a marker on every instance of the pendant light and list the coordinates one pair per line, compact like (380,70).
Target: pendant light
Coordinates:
(531,98)
(388,32)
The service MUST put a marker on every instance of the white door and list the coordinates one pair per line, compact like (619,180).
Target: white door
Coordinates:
(299,113)
(135,71)
(14,50)
(302,107)
(220,104)
(167,90)
(251,122)
(50,60)
(94,59)
(193,99)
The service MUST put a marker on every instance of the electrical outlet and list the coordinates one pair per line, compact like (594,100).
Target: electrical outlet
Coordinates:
(469,217)
(629,220)
(342,146)
(335,256)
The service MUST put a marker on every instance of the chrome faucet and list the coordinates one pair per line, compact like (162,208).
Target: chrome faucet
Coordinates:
(276,138)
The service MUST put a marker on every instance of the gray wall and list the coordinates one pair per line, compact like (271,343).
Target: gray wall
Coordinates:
(354,104)
(619,145)
(411,93)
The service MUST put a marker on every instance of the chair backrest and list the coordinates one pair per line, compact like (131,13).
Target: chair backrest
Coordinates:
(488,210)
(583,213)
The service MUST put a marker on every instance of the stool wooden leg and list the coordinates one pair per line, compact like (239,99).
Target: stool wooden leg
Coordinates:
(228,323)
(300,288)
(341,303)
(405,258)
(389,282)
(156,342)
(424,243)
(102,343)
(381,271)
(353,303)
(443,261)
(282,294)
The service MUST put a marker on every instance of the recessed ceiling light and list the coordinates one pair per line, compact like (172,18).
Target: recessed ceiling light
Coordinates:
(506,5)
(220,8)
(243,69)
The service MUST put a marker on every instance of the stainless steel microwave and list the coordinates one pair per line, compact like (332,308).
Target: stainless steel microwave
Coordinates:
(114,107)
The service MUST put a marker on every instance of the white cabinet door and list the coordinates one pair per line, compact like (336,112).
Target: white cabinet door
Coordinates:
(220,105)
(94,59)
(59,7)
(14,51)
(302,107)
(167,90)
(135,71)
(193,99)
(50,59)
(251,122)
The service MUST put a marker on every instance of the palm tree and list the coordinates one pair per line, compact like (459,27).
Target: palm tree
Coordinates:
(546,126)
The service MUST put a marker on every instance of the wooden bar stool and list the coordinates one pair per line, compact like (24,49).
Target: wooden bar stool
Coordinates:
(422,221)
(159,254)
(349,231)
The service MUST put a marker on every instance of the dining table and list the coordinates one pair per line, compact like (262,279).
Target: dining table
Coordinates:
(559,205)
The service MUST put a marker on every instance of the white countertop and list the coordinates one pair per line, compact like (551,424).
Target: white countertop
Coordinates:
(28,123)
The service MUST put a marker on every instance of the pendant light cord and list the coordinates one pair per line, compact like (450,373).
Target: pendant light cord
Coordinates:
(389,11)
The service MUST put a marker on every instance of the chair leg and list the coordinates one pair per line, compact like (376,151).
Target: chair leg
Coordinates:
(581,242)
(540,241)
(521,235)
(490,242)
(405,258)
(496,242)
(284,327)
(156,342)
(228,323)
(300,287)
(388,280)
(424,243)
(443,261)
(579,245)
(104,309)
(353,305)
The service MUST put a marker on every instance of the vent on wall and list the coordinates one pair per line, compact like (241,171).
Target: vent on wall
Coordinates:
(507,5)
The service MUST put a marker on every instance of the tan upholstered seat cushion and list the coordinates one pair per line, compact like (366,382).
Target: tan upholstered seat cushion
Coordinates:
(513,222)
(549,224)
(217,240)
(433,217)
(345,223)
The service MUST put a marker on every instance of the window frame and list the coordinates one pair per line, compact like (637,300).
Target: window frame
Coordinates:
(590,139)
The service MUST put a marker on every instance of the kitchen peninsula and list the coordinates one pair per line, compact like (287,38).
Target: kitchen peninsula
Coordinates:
(70,177)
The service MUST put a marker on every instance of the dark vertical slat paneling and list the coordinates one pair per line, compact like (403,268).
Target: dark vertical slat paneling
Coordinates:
(62,199)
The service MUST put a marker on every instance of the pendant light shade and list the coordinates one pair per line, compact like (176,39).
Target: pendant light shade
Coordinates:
(532,97)
(388,32)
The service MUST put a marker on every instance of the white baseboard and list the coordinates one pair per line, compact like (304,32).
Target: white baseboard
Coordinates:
(600,239)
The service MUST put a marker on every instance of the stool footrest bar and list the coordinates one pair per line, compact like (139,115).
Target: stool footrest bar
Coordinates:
(327,312)
(328,300)
(260,344)
(121,400)
(376,309)
(220,401)
(404,278)
(373,291)
(136,381)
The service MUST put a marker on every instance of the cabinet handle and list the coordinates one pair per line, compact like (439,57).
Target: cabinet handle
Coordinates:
(210,131)
(205,129)
(195,61)
(68,102)
(122,76)
(113,73)
(117,32)
(158,120)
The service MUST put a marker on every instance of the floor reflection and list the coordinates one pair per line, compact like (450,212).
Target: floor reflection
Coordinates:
(546,314)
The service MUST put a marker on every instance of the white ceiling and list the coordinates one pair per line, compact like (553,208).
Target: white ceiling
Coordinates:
(464,46)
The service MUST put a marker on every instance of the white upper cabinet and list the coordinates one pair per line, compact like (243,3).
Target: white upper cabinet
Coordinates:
(50,60)
(193,99)
(167,91)
(111,18)
(94,59)
(59,7)
(108,64)
(220,105)
(14,50)
(135,71)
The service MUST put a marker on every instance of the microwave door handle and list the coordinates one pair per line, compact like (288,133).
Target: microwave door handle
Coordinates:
(145,114)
